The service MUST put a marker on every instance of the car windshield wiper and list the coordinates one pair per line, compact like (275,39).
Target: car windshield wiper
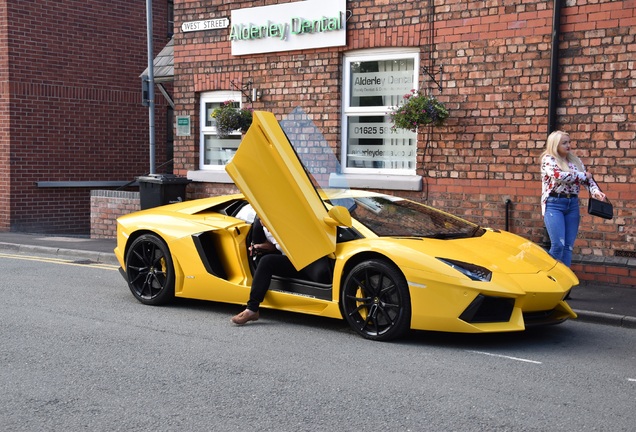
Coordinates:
(442,235)
(475,231)
(448,236)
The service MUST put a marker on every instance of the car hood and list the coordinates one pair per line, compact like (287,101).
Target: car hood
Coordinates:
(498,251)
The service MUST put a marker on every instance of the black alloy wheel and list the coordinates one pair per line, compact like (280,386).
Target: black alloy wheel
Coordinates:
(375,301)
(150,270)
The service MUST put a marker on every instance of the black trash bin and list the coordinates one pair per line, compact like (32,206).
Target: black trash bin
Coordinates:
(160,189)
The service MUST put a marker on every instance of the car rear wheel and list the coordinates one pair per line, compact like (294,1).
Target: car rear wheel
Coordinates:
(375,301)
(150,270)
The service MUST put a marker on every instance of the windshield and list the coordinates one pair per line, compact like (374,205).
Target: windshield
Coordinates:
(389,216)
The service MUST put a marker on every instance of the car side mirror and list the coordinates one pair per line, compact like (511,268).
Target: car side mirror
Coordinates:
(338,216)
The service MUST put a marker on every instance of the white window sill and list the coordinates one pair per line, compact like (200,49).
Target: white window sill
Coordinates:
(349,181)
(212,176)
(376,181)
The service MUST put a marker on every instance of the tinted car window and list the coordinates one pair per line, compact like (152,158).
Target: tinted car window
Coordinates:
(390,216)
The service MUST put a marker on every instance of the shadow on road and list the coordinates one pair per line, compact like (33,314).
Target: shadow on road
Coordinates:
(539,336)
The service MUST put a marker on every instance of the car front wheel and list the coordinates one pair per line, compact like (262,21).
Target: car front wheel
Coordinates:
(375,300)
(150,270)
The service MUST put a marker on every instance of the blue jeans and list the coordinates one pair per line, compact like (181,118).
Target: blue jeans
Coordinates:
(562,219)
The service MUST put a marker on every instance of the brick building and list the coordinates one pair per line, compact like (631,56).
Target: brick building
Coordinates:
(71,118)
(494,64)
(509,72)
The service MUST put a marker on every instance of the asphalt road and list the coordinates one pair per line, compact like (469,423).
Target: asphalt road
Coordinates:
(78,352)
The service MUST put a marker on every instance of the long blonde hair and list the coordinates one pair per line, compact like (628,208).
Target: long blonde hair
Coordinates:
(551,148)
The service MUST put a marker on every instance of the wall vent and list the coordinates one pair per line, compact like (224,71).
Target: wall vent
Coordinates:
(625,254)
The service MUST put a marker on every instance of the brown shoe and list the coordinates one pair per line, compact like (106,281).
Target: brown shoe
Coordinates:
(244,317)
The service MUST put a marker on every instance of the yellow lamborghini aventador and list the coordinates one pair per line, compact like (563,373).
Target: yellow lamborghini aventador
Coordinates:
(394,264)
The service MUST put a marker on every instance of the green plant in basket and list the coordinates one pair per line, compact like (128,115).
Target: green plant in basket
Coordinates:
(418,110)
(229,118)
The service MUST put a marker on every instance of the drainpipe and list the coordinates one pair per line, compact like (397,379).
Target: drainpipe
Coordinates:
(553,97)
(151,86)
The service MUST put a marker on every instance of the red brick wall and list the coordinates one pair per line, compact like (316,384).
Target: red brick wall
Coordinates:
(599,92)
(75,111)
(4,120)
(106,207)
(613,272)
(496,63)
(308,79)
(496,68)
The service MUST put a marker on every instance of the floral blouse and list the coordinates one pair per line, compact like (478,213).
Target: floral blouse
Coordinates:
(554,179)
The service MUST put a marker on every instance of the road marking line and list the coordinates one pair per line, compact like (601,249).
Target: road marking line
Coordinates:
(631,379)
(505,356)
(60,261)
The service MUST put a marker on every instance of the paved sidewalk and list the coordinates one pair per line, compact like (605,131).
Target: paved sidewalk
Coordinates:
(605,304)
(98,250)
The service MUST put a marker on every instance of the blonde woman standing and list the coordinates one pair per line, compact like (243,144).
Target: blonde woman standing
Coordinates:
(562,175)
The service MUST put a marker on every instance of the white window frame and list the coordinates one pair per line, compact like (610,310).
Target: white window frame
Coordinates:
(213,97)
(213,173)
(386,178)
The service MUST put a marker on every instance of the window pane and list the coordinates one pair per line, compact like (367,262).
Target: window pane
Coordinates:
(219,151)
(381,83)
(372,144)
(209,109)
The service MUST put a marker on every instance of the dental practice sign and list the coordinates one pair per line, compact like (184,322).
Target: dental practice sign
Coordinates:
(290,26)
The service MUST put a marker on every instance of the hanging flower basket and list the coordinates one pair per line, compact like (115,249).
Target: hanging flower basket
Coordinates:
(418,110)
(230,118)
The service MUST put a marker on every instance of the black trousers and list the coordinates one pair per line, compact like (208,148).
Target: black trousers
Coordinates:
(268,266)
(258,235)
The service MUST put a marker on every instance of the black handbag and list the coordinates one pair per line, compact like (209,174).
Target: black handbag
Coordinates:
(602,209)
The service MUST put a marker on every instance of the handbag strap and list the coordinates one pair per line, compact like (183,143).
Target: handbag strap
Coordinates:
(598,186)
(607,200)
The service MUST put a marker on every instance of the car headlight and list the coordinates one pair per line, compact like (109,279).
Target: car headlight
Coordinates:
(473,271)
